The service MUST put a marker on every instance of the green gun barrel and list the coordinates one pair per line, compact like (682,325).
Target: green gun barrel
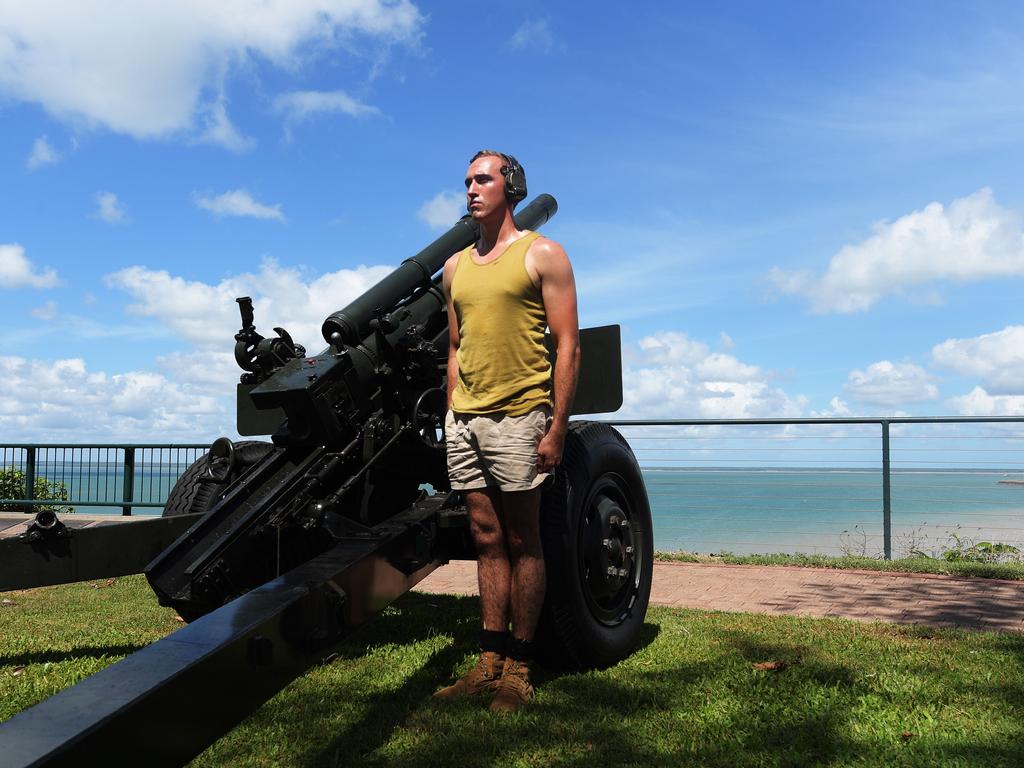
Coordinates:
(351,324)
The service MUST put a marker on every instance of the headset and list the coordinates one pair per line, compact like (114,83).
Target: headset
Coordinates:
(515,179)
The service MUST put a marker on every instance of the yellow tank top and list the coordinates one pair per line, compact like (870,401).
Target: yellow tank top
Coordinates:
(503,363)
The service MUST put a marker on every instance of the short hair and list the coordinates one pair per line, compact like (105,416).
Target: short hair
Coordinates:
(490,153)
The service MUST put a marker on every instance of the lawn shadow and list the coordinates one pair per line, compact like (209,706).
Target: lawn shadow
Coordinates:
(587,718)
(81,652)
(713,705)
(553,668)
(419,617)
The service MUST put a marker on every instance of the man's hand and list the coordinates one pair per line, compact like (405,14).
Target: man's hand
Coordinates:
(549,449)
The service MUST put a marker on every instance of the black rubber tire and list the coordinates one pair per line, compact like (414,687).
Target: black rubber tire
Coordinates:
(587,621)
(189,495)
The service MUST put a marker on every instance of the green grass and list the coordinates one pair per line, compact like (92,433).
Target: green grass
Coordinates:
(1012,571)
(847,694)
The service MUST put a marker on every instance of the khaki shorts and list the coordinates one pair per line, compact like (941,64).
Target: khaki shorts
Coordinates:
(495,450)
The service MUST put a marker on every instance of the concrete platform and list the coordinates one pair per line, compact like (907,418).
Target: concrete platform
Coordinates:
(905,598)
(13,523)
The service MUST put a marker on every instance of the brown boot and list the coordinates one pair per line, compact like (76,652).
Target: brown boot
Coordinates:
(483,678)
(514,688)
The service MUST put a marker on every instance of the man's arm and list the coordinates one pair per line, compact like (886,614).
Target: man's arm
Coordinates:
(453,327)
(558,291)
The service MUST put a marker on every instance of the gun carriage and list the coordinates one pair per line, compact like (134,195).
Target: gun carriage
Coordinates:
(274,551)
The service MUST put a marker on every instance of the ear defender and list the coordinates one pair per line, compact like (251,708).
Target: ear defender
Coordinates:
(515,180)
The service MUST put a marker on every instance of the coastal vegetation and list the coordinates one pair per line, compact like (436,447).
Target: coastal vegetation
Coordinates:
(958,555)
(704,688)
(913,564)
(13,485)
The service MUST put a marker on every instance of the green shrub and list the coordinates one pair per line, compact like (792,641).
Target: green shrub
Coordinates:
(12,486)
(961,549)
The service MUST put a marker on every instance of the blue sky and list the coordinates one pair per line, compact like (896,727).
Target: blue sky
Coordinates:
(791,209)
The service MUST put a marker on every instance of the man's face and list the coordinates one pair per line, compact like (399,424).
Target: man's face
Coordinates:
(485,187)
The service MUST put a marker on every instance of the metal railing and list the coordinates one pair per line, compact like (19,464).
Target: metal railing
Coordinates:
(103,477)
(832,485)
(873,486)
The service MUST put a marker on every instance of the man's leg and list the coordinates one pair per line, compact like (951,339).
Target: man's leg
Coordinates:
(494,576)
(522,533)
(493,569)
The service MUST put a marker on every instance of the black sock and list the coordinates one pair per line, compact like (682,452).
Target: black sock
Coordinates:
(493,642)
(520,650)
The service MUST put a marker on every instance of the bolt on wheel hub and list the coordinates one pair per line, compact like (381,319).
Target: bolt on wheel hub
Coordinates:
(611,548)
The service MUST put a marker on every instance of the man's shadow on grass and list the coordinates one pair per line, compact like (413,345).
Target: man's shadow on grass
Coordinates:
(588,719)
(622,716)
(420,617)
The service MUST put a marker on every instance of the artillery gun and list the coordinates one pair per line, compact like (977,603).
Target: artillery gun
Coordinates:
(274,551)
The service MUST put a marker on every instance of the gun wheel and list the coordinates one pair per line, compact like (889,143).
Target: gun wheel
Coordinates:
(192,494)
(598,549)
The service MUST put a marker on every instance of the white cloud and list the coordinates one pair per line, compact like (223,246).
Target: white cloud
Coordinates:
(675,376)
(60,399)
(42,154)
(238,202)
(996,358)
(205,318)
(973,239)
(442,210)
(890,384)
(979,402)
(725,341)
(191,395)
(720,367)
(46,311)
(16,271)
(211,371)
(673,348)
(70,57)
(837,408)
(217,128)
(108,208)
(675,392)
(206,315)
(533,33)
(300,105)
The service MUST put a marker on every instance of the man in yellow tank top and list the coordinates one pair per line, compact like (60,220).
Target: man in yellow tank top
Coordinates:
(508,414)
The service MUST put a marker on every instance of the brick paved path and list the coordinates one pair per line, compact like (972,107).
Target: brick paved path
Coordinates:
(943,601)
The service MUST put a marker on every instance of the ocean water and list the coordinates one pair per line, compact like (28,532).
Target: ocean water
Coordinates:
(830,511)
(102,484)
(746,511)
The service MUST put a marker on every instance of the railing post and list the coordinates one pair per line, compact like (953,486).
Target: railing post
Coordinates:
(30,478)
(128,496)
(886,494)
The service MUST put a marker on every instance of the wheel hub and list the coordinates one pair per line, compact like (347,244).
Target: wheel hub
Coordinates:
(611,548)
